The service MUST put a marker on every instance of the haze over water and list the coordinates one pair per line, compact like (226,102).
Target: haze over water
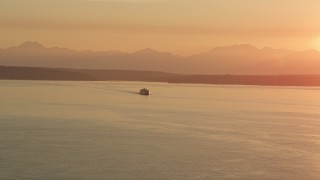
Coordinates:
(105,130)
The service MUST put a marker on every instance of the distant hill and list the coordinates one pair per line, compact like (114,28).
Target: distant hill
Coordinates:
(237,59)
(36,73)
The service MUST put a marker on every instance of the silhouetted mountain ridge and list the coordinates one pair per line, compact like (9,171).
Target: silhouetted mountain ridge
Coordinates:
(234,59)
(30,45)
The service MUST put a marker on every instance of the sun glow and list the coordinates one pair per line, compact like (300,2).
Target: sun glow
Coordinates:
(316,43)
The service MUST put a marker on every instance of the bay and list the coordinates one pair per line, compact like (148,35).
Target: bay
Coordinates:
(106,130)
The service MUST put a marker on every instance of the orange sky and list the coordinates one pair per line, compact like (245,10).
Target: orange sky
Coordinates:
(179,26)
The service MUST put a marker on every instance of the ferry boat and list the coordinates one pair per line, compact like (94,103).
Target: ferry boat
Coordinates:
(144,91)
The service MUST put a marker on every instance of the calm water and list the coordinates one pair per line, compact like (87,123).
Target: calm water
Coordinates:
(105,130)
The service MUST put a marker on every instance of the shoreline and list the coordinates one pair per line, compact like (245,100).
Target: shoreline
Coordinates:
(64,74)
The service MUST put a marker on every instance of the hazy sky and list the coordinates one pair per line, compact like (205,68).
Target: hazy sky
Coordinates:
(180,26)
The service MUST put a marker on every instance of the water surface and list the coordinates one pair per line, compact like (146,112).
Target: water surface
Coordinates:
(105,130)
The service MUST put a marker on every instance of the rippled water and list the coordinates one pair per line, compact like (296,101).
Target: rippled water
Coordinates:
(105,130)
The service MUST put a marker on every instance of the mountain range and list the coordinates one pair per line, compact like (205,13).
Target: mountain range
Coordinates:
(242,59)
